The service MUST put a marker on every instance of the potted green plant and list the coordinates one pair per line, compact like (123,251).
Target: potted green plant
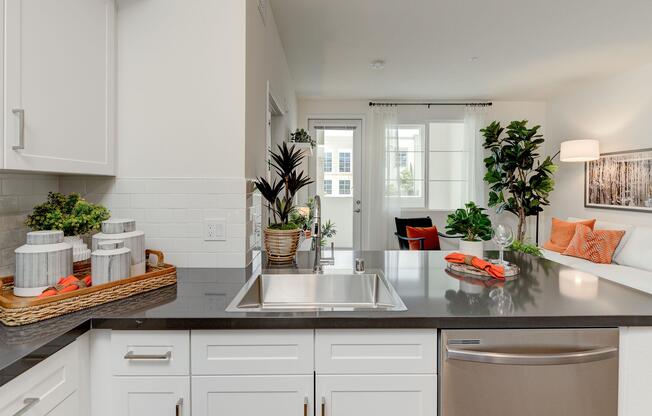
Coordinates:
(473,225)
(520,182)
(302,136)
(282,235)
(71,214)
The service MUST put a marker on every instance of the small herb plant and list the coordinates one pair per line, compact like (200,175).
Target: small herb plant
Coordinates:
(302,136)
(71,214)
(527,248)
(470,222)
(280,193)
(327,231)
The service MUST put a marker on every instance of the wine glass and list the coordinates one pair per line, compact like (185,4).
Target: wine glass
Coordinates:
(503,236)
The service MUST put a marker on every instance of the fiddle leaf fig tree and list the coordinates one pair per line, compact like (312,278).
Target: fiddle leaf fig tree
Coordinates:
(519,180)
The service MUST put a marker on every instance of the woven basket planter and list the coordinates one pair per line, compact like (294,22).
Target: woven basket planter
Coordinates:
(281,245)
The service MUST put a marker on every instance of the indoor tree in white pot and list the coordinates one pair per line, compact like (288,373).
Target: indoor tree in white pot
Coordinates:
(282,235)
(473,225)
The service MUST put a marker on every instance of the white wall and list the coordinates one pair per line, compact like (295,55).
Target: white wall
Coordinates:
(616,111)
(266,62)
(503,111)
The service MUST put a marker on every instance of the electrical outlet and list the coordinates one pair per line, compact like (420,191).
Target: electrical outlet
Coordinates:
(215,229)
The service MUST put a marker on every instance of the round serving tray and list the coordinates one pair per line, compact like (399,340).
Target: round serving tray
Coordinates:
(511,271)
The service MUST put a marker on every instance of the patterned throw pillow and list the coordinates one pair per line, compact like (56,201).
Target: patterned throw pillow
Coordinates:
(597,246)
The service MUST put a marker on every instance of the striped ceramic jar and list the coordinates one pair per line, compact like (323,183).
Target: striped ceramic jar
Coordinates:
(110,262)
(125,230)
(41,262)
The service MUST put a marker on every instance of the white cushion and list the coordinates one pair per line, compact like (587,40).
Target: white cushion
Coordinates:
(605,225)
(637,251)
(559,258)
(627,276)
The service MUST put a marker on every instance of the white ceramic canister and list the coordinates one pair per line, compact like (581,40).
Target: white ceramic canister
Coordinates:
(125,230)
(80,251)
(41,262)
(110,262)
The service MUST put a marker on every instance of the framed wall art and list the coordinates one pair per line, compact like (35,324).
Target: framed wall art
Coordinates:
(620,180)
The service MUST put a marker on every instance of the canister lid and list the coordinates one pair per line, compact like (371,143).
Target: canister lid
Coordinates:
(110,244)
(44,237)
(118,226)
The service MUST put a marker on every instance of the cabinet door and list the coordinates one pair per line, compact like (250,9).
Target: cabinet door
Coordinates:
(59,86)
(252,395)
(151,396)
(378,395)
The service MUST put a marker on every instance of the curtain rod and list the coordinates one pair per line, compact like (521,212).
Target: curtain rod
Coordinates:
(485,104)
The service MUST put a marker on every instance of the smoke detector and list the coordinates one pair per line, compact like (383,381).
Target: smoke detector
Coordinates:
(378,64)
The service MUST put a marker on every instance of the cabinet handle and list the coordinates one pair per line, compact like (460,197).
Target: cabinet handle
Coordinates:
(323,406)
(131,356)
(21,128)
(177,408)
(305,406)
(29,402)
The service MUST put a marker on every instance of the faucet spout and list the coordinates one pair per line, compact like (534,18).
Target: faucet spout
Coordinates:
(316,234)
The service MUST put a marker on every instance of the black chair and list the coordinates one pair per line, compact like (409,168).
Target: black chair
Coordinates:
(401,232)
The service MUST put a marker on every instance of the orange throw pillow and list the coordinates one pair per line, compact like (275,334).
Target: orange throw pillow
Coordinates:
(431,241)
(597,246)
(562,233)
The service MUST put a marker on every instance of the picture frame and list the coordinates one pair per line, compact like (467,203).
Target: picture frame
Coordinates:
(619,180)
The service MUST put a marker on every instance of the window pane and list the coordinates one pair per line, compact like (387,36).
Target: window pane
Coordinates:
(446,195)
(405,164)
(448,166)
(345,161)
(328,161)
(345,187)
(328,187)
(446,136)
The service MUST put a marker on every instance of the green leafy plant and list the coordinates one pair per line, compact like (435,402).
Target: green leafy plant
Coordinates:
(527,248)
(72,214)
(302,136)
(520,182)
(327,231)
(280,193)
(470,222)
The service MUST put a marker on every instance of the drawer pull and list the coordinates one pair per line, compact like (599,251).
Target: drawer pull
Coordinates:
(305,406)
(20,113)
(131,356)
(29,402)
(177,408)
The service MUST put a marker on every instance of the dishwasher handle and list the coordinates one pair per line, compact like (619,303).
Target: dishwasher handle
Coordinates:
(488,357)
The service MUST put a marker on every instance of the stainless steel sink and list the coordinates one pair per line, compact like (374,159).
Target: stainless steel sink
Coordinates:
(317,292)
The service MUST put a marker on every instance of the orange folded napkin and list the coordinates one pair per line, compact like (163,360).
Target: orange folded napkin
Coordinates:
(497,272)
(66,284)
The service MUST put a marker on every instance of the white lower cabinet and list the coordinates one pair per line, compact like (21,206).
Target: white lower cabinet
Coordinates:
(378,395)
(282,395)
(151,396)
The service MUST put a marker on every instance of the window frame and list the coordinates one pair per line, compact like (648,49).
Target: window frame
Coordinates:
(339,187)
(323,186)
(426,162)
(330,165)
(339,161)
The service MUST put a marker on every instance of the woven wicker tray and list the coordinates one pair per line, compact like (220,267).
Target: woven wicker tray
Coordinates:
(16,311)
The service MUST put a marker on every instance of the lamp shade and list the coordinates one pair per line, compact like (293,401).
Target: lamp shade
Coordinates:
(579,150)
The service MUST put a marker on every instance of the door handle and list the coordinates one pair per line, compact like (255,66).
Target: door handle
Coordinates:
(357,210)
(21,128)
(597,354)
(29,402)
(177,407)
(131,356)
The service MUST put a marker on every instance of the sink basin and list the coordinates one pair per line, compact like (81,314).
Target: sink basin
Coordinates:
(317,292)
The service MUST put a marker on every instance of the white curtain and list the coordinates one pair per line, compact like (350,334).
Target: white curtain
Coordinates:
(378,224)
(474,120)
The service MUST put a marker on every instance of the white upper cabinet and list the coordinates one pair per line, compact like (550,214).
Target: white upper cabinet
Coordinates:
(59,88)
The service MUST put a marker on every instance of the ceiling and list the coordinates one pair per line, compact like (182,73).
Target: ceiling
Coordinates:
(523,49)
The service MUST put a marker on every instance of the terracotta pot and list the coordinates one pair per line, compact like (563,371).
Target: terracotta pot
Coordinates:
(281,245)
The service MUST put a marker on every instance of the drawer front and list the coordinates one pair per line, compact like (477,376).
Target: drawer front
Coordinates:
(150,353)
(376,351)
(45,386)
(151,396)
(252,352)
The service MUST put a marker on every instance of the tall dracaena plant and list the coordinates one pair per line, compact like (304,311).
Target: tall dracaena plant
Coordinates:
(520,182)
(280,193)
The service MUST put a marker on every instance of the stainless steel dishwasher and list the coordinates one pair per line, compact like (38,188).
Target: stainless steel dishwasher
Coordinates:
(529,372)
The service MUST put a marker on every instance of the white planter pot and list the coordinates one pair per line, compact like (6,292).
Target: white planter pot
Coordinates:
(473,248)
(80,250)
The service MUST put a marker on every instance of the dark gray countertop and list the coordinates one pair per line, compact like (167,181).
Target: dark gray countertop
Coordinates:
(545,295)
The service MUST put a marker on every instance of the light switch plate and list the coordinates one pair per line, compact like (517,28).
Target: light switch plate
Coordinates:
(215,229)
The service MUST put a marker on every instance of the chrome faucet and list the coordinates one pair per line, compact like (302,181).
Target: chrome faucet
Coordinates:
(316,234)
